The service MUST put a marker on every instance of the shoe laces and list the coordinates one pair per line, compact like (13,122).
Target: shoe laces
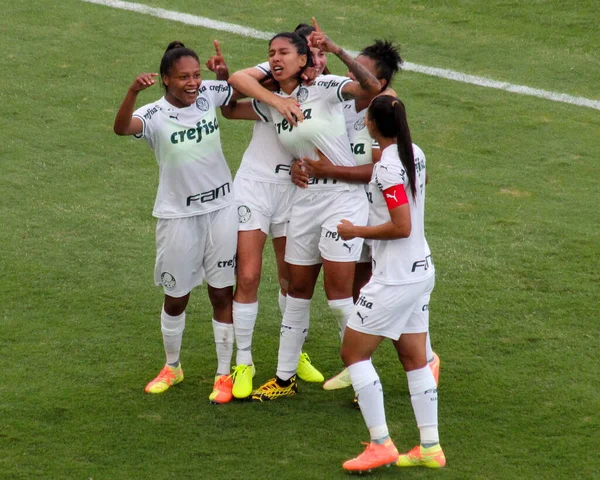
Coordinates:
(238,370)
(166,374)
(305,357)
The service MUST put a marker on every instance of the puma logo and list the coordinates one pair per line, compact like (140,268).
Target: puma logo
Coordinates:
(349,247)
(362,319)
(176,117)
(391,196)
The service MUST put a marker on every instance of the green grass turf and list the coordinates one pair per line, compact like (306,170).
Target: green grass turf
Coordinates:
(512,221)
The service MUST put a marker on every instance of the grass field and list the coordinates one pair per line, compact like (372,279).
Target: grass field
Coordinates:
(512,220)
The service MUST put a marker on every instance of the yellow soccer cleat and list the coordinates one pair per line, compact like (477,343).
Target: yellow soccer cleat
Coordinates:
(272,390)
(341,380)
(306,371)
(242,380)
(432,457)
(167,377)
(222,389)
(375,455)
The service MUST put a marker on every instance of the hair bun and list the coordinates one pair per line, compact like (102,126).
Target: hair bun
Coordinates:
(175,44)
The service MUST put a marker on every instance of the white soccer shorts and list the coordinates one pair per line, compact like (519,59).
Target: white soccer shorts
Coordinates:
(192,249)
(312,231)
(263,206)
(391,310)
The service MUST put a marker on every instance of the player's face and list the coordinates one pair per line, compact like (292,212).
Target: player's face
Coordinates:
(319,59)
(284,59)
(183,82)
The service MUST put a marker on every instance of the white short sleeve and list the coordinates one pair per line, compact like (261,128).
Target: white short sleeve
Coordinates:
(147,114)
(264,67)
(262,111)
(219,91)
(330,87)
(390,175)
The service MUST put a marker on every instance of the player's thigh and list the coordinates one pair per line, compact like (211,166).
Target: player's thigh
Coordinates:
(385,309)
(180,244)
(221,246)
(349,205)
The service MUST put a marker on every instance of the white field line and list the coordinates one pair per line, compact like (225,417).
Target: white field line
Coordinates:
(412,67)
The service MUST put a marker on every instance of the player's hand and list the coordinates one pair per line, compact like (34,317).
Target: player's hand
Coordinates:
(143,81)
(318,39)
(299,177)
(321,168)
(290,109)
(346,230)
(309,75)
(217,64)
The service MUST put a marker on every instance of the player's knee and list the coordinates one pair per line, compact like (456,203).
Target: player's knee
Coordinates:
(175,306)
(220,298)
(248,282)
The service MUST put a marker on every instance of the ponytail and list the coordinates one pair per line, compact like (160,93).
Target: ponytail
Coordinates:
(389,115)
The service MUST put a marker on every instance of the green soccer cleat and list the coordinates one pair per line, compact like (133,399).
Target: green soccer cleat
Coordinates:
(306,371)
(242,380)
(272,390)
(341,380)
(432,457)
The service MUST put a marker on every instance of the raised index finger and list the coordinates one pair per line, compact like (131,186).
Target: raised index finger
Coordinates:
(316,25)
(217,48)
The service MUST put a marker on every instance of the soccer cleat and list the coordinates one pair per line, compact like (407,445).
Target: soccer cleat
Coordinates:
(242,380)
(341,380)
(222,389)
(167,377)
(272,390)
(432,457)
(306,371)
(375,455)
(434,365)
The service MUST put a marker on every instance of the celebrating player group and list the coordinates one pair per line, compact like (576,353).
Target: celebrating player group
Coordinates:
(332,176)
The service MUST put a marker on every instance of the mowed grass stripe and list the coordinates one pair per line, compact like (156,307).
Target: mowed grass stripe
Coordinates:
(195,20)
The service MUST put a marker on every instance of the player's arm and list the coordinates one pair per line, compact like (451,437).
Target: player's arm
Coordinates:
(247,82)
(240,111)
(366,84)
(323,168)
(399,225)
(125,122)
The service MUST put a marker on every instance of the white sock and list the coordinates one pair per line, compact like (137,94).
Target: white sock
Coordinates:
(172,332)
(224,335)
(423,396)
(428,349)
(282,299)
(244,318)
(342,309)
(294,328)
(370,397)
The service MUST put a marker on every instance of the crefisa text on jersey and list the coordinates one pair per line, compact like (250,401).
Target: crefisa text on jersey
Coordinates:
(202,129)
(285,125)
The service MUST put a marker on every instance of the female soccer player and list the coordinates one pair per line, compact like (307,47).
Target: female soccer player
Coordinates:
(382,60)
(264,193)
(394,302)
(196,231)
(312,239)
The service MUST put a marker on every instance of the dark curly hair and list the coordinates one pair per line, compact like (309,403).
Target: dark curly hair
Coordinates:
(387,59)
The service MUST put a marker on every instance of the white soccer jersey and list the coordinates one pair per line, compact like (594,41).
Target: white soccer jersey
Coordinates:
(194,177)
(265,159)
(361,142)
(323,127)
(405,260)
